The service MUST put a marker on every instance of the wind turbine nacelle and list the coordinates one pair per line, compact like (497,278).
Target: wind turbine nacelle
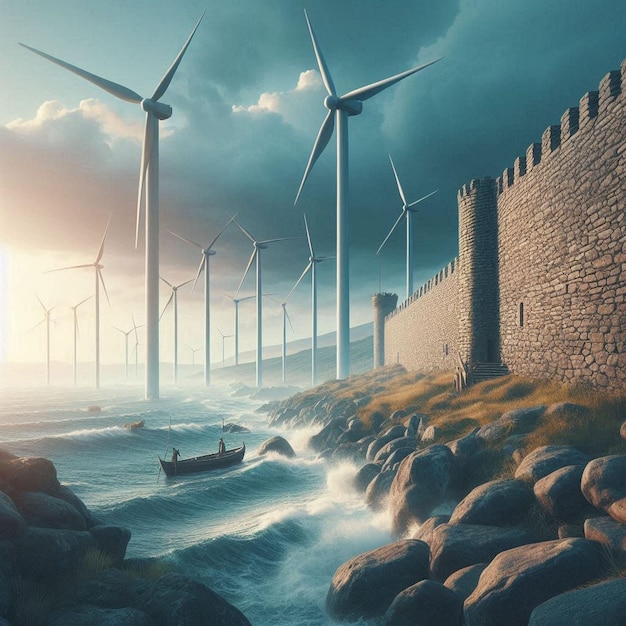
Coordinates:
(158,109)
(351,107)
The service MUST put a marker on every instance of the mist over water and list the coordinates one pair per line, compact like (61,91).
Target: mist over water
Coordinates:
(267,534)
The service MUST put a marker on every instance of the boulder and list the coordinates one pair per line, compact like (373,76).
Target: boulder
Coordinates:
(88,615)
(425,480)
(570,530)
(603,484)
(455,546)
(547,459)
(392,446)
(519,580)
(496,503)
(411,426)
(559,493)
(466,447)
(176,599)
(422,423)
(396,457)
(327,437)
(65,493)
(430,434)
(607,531)
(11,521)
(49,553)
(112,588)
(44,511)
(112,540)
(30,474)
(602,603)
(425,531)
(377,492)
(492,432)
(351,451)
(365,476)
(464,581)
(277,444)
(394,432)
(622,431)
(566,409)
(366,585)
(522,421)
(424,604)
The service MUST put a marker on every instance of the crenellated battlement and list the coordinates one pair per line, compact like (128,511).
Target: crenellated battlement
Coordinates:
(592,106)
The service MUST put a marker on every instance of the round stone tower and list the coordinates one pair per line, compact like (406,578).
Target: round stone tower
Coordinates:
(384,303)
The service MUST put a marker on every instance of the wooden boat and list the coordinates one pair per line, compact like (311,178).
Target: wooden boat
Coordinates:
(203,463)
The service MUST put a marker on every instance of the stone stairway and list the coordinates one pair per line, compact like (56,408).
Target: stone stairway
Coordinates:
(486,371)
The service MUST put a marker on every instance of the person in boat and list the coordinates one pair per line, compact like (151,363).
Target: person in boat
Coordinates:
(175,454)
(221,447)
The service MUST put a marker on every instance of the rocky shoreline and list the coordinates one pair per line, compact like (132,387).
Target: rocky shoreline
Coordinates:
(488,532)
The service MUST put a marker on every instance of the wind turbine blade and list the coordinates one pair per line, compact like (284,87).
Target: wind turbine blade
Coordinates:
(321,63)
(219,331)
(390,232)
(246,298)
(82,302)
(106,293)
(432,193)
(252,257)
(185,283)
(364,93)
(279,239)
(289,319)
(167,78)
(325,258)
(38,324)
(166,305)
(42,304)
(221,231)
(200,267)
(71,267)
(119,329)
(306,269)
(400,190)
(308,237)
(113,88)
(245,232)
(101,249)
(323,137)
(167,282)
(146,150)
(193,243)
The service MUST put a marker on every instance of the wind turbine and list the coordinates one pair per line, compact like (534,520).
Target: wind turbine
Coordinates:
(339,109)
(193,354)
(407,214)
(236,301)
(148,183)
(224,337)
(126,333)
(313,261)
(74,309)
(97,266)
(174,297)
(286,319)
(207,253)
(256,254)
(46,319)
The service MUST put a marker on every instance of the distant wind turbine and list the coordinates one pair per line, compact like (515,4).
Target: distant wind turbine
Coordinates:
(286,319)
(207,253)
(74,309)
(407,214)
(47,320)
(236,302)
(193,354)
(256,255)
(224,338)
(339,109)
(148,183)
(174,297)
(126,333)
(97,266)
(313,261)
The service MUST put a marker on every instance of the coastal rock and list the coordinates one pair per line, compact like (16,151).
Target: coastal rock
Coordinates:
(396,457)
(424,604)
(394,432)
(30,474)
(11,522)
(365,586)
(176,599)
(492,432)
(547,459)
(377,492)
(425,531)
(522,421)
(350,451)
(602,603)
(392,446)
(422,423)
(327,436)
(570,530)
(455,546)
(518,580)
(464,581)
(622,431)
(277,444)
(604,485)
(65,493)
(430,434)
(559,493)
(425,479)
(86,615)
(496,503)
(566,409)
(44,511)
(607,531)
(112,588)
(48,553)
(365,476)
(112,540)
(466,447)
(411,426)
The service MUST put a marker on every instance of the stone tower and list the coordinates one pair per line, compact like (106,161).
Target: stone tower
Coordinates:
(384,303)
(479,318)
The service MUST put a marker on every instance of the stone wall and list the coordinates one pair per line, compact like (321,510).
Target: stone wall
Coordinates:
(562,246)
(422,333)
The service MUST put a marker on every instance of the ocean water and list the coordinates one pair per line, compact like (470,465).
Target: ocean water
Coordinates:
(267,534)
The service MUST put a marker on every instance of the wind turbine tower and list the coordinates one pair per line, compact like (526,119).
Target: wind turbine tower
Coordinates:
(224,337)
(148,190)
(74,309)
(236,302)
(46,319)
(339,109)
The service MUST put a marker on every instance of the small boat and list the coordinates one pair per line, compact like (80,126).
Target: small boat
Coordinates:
(203,463)
(135,425)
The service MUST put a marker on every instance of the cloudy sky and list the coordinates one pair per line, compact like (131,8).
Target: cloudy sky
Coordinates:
(247,102)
